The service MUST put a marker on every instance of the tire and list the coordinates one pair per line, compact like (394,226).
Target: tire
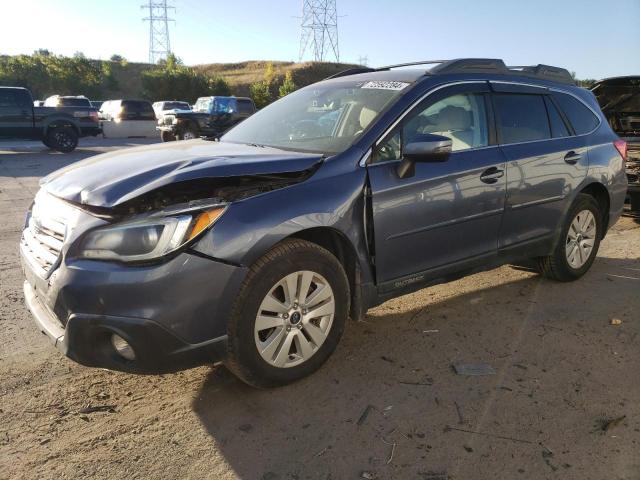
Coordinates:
(167,136)
(46,143)
(187,134)
(62,139)
(291,259)
(558,266)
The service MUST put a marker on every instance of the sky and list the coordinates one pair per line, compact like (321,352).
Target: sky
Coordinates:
(595,39)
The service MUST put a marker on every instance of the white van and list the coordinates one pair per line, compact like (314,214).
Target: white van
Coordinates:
(128,118)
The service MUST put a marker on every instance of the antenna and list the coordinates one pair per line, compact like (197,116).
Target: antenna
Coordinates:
(319,29)
(159,44)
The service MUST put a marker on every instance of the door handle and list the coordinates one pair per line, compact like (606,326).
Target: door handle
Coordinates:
(491,175)
(572,157)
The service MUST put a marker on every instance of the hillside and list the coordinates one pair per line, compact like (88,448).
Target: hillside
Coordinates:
(241,75)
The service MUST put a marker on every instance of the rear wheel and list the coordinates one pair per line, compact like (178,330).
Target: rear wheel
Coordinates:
(579,242)
(289,316)
(62,139)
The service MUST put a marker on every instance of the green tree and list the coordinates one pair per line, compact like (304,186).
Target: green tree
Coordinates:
(260,94)
(288,86)
(219,86)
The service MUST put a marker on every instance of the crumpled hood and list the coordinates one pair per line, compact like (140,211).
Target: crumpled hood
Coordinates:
(112,178)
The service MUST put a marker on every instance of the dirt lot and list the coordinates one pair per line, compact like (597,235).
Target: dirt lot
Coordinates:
(564,401)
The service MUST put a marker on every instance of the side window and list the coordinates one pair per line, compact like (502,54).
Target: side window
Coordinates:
(521,118)
(245,106)
(582,118)
(558,127)
(460,117)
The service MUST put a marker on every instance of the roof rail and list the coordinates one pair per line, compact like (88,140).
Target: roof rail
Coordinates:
(351,71)
(477,65)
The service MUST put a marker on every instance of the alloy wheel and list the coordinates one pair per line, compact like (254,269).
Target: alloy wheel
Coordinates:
(294,319)
(581,238)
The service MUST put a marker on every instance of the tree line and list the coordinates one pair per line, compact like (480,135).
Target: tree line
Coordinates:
(45,74)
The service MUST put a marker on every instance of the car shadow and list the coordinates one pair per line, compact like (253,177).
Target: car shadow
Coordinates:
(384,403)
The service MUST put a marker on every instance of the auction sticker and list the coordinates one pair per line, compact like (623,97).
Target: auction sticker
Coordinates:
(381,85)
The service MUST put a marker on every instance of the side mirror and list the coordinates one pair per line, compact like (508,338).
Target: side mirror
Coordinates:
(423,148)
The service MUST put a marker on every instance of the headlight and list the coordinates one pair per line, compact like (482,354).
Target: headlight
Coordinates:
(147,239)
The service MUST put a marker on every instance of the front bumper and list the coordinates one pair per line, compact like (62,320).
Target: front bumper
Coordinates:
(172,314)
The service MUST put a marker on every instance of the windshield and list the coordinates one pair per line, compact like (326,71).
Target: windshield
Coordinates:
(176,106)
(325,118)
(203,104)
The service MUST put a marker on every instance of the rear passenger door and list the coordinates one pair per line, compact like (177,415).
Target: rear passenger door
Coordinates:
(545,163)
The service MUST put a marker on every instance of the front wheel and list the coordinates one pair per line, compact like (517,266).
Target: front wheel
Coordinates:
(289,315)
(62,139)
(167,136)
(578,244)
(187,134)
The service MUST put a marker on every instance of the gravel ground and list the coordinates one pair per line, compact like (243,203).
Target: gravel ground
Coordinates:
(564,401)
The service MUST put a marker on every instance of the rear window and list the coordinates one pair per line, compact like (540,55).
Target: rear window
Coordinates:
(521,118)
(74,102)
(141,109)
(582,118)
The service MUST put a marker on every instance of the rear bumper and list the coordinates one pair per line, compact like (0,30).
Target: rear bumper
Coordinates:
(90,131)
(86,339)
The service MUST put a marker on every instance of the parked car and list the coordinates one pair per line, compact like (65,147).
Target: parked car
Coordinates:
(254,249)
(97,103)
(38,103)
(128,118)
(57,127)
(619,99)
(210,117)
(168,105)
(67,101)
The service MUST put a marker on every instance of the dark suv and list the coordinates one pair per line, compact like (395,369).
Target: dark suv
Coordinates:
(255,249)
(210,117)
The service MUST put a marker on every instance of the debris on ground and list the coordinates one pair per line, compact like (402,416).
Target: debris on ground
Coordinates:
(459,411)
(98,408)
(364,415)
(616,321)
(468,448)
(474,369)
(606,424)
(368,475)
(431,331)
(449,428)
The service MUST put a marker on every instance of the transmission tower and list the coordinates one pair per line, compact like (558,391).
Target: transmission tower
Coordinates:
(159,44)
(319,29)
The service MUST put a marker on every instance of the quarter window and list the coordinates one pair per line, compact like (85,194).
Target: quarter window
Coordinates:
(521,118)
(582,118)
(461,117)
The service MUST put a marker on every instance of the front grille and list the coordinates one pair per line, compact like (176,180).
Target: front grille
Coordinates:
(44,235)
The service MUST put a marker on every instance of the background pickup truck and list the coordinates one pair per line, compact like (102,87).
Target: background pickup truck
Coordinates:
(57,127)
(210,117)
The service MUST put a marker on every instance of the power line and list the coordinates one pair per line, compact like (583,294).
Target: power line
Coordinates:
(319,29)
(363,60)
(159,43)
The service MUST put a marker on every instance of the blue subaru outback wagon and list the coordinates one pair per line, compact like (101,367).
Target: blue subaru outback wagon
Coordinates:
(254,249)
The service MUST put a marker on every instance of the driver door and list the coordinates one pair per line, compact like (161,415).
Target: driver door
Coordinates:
(447,215)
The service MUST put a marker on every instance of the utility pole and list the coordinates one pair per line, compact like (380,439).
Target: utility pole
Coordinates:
(159,44)
(363,60)
(319,30)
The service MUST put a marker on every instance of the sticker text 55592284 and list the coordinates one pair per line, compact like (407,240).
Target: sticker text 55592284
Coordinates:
(382,85)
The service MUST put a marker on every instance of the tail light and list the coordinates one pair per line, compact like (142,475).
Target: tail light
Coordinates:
(621,146)
(93,115)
